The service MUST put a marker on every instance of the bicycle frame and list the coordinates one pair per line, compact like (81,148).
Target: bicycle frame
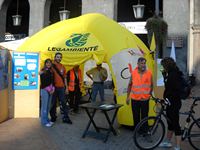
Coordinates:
(156,127)
(162,112)
(154,124)
(188,119)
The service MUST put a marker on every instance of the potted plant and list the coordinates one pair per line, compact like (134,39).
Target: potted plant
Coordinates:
(159,27)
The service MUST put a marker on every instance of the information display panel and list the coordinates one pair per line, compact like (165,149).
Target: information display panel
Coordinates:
(25,70)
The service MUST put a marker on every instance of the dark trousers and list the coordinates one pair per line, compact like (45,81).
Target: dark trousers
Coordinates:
(140,110)
(97,87)
(60,94)
(74,98)
(172,113)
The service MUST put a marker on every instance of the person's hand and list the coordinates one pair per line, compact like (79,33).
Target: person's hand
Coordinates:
(51,92)
(127,100)
(66,91)
(41,72)
(103,78)
(164,73)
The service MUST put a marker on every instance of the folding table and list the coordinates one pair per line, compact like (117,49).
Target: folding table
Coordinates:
(105,108)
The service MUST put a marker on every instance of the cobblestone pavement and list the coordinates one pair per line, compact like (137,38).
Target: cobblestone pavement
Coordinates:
(28,134)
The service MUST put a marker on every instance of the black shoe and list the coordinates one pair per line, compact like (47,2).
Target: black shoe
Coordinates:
(76,111)
(53,119)
(67,120)
(61,110)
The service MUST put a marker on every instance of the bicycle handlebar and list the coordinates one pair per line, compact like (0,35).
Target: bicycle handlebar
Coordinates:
(195,98)
(161,101)
(194,102)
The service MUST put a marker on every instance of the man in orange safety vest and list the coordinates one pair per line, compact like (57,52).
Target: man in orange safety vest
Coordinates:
(139,90)
(74,80)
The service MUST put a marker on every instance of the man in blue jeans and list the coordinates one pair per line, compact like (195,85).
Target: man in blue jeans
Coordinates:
(98,75)
(60,84)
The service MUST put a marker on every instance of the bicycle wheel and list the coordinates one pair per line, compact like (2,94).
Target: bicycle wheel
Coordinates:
(194,134)
(149,133)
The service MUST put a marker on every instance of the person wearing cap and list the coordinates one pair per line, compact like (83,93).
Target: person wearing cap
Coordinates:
(98,75)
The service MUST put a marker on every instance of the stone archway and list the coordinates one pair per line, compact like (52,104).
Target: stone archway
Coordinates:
(52,8)
(3,13)
(23,9)
(125,10)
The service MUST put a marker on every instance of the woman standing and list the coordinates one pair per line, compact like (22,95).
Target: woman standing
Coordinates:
(172,79)
(47,89)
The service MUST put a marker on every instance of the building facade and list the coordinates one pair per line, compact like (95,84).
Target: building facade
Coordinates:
(182,17)
(194,38)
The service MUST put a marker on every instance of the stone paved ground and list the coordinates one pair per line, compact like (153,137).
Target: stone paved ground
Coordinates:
(28,134)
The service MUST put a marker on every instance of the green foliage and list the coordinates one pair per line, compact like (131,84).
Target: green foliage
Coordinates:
(157,26)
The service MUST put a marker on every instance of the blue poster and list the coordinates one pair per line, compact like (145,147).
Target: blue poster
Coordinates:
(25,70)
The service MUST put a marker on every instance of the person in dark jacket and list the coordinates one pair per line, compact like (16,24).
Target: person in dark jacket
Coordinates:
(47,90)
(74,81)
(172,79)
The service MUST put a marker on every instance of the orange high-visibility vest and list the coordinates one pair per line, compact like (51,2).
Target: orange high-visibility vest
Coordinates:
(141,85)
(71,85)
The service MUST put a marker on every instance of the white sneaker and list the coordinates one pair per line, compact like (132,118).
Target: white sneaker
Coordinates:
(51,123)
(177,148)
(165,144)
(48,125)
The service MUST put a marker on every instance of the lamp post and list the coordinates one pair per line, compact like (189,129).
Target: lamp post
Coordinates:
(17,18)
(157,7)
(64,14)
(138,10)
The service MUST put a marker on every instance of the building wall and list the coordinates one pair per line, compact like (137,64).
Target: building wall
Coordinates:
(36,19)
(196,54)
(106,7)
(194,39)
(175,13)
(177,16)
(197,12)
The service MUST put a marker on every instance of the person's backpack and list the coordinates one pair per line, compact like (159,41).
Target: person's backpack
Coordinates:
(185,87)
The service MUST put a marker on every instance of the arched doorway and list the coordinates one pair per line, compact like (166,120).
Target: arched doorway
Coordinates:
(125,10)
(125,13)
(22,30)
(74,6)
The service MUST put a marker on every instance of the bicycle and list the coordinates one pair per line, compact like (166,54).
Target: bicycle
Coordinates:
(192,130)
(150,132)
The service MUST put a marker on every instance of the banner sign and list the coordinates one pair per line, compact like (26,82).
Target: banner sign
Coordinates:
(135,27)
(25,71)
(121,68)
(160,79)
